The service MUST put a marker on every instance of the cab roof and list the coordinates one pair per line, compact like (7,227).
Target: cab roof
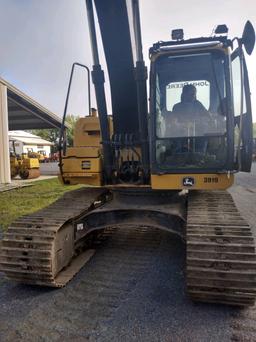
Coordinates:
(202,42)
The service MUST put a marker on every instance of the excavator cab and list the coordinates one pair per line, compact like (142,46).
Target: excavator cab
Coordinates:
(201,120)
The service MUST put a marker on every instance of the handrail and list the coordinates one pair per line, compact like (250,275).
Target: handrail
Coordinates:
(62,136)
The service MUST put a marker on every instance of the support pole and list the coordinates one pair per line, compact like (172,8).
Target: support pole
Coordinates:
(5,172)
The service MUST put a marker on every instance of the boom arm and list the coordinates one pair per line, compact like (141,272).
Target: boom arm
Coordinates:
(127,82)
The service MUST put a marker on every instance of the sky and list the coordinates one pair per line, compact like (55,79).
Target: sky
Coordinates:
(40,39)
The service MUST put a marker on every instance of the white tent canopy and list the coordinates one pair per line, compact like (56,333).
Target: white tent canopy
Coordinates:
(28,138)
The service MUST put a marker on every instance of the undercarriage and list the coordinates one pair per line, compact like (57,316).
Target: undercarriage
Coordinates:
(50,246)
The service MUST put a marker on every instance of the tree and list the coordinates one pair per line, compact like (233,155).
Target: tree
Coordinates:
(52,134)
(71,121)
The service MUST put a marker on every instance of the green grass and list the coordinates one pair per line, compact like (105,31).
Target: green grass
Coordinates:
(18,202)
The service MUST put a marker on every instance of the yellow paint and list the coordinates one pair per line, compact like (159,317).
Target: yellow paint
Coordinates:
(87,148)
(75,164)
(83,152)
(14,164)
(211,181)
(87,131)
(82,163)
(30,163)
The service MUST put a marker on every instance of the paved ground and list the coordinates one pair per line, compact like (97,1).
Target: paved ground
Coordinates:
(244,193)
(49,168)
(133,289)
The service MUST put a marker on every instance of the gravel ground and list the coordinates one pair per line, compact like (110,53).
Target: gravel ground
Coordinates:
(133,289)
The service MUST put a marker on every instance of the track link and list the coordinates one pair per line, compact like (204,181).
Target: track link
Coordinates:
(40,248)
(221,259)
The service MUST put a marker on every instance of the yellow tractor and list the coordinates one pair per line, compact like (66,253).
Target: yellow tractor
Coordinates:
(41,156)
(24,166)
(29,168)
(166,168)
(14,164)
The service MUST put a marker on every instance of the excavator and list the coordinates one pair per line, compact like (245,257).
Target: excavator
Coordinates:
(166,167)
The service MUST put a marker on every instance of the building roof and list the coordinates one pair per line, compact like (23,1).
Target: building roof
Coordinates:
(26,113)
(28,138)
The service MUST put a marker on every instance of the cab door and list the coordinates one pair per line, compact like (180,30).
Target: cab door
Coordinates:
(242,112)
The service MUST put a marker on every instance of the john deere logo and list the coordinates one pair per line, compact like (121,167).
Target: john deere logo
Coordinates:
(188,181)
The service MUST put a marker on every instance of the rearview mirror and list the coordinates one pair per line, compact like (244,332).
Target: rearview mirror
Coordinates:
(248,38)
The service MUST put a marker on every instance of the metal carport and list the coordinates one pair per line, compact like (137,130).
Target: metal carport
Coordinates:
(19,112)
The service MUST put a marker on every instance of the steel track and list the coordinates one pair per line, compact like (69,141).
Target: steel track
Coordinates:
(221,264)
(221,259)
(40,248)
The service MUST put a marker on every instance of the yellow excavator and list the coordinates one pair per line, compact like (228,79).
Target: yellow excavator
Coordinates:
(167,167)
